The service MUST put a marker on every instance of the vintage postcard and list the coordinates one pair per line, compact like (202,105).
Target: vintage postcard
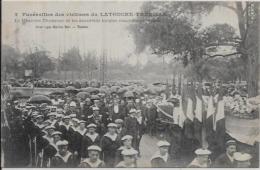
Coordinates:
(130,84)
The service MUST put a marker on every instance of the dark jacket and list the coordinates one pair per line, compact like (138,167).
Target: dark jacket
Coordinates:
(223,162)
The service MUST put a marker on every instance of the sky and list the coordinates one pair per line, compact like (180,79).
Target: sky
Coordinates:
(114,37)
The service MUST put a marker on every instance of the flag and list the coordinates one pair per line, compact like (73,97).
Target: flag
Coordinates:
(220,114)
(178,115)
(210,108)
(198,110)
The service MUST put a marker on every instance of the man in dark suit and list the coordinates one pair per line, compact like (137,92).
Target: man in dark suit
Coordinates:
(131,126)
(226,160)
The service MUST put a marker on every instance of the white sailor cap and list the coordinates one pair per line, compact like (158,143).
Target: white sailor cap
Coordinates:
(73,104)
(75,119)
(52,114)
(82,121)
(39,116)
(241,157)
(66,117)
(59,115)
(49,127)
(62,143)
(129,152)
(73,115)
(95,108)
(113,125)
(56,133)
(230,142)
(91,125)
(202,151)
(126,137)
(119,121)
(132,111)
(94,148)
(163,143)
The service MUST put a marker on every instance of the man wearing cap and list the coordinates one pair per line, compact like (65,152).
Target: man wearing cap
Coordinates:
(201,160)
(131,125)
(226,160)
(150,113)
(72,134)
(96,119)
(161,159)
(116,110)
(49,130)
(64,127)
(109,144)
(93,160)
(87,109)
(129,159)
(64,158)
(50,150)
(121,131)
(127,144)
(88,139)
(242,160)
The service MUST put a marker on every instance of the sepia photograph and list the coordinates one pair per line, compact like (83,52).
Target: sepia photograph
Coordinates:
(130,84)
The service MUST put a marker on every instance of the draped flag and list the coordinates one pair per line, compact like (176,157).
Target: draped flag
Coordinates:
(220,114)
(189,112)
(210,108)
(178,115)
(198,110)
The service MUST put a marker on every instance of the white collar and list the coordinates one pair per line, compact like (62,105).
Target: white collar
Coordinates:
(230,157)
(112,137)
(122,164)
(158,155)
(66,126)
(66,157)
(92,164)
(196,163)
(81,132)
(92,137)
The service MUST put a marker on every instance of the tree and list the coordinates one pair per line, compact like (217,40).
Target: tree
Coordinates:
(178,32)
(39,62)
(10,59)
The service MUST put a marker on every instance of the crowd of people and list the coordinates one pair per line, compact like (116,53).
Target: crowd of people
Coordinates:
(99,130)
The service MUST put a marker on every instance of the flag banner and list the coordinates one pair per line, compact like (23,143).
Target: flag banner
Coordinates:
(243,130)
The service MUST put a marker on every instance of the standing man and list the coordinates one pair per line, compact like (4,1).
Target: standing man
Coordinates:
(226,160)
(109,144)
(131,125)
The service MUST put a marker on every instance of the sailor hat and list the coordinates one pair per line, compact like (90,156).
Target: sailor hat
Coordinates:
(202,151)
(94,148)
(129,152)
(56,133)
(91,125)
(49,127)
(163,143)
(119,121)
(113,125)
(66,117)
(230,142)
(62,143)
(132,111)
(241,157)
(73,115)
(95,108)
(126,137)
(82,121)
(52,114)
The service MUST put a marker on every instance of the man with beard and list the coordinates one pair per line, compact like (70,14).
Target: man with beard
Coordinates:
(226,160)
(88,139)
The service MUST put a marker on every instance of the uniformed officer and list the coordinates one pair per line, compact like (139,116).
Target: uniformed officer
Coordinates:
(161,159)
(226,160)
(201,160)
(93,160)
(129,159)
